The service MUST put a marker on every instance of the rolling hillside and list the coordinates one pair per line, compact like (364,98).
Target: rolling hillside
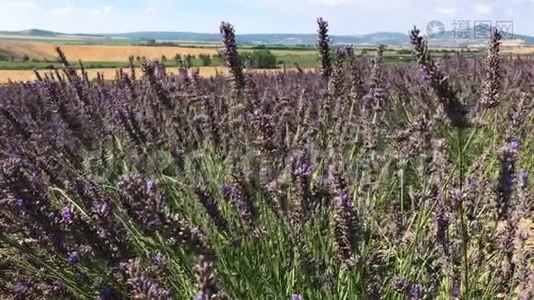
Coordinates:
(387,38)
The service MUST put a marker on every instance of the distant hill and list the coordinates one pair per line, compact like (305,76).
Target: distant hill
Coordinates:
(38,32)
(169,36)
(270,39)
(447,39)
(452,39)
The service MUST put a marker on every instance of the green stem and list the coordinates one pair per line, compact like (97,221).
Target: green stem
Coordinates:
(463,226)
(401,171)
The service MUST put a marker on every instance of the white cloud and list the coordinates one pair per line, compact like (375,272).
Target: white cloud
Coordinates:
(108,9)
(62,11)
(484,8)
(331,3)
(150,10)
(70,10)
(447,11)
(20,5)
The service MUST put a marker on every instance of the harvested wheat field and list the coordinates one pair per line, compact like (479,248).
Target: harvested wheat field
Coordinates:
(110,73)
(520,50)
(38,50)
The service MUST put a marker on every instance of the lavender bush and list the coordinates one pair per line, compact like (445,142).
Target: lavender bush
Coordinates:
(407,184)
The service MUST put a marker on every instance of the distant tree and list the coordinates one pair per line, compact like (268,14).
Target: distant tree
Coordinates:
(138,58)
(178,57)
(248,61)
(151,42)
(163,58)
(264,59)
(189,60)
(260,59)
(205,58)
(25,58)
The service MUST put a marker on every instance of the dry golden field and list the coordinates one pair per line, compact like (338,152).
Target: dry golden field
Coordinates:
(110,73)
(41,50)
(120,53)
(520,50)
(46,51)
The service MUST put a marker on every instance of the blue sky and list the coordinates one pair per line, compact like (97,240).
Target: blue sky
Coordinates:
(256,16)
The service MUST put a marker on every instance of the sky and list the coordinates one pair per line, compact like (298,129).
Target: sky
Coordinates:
(257,16)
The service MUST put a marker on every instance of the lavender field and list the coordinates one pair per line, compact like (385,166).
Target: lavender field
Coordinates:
(361,180)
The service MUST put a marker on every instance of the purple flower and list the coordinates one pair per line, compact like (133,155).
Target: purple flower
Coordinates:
(108,293)
(58,240)
(20,202)
(514,145)
(439,82)
(20,287)
(212,207)
(515,118)
(442,223)
(303,170)
(199,297)
(457,195)
(149,186)
(57,287)
(324,47)
(231,55)
(523,174)
(102,209)
(344,196)
(456,288)
(33,176)
(67,214)
(415,291)
(158,260)
(229,190)
(297,297)
(508,158)
(143,286)
(73,258)
(379,93)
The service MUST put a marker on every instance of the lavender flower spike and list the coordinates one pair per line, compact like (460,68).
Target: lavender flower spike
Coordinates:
(491,84)
(324,47)
(230,53)
(454,109)
(297,297)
